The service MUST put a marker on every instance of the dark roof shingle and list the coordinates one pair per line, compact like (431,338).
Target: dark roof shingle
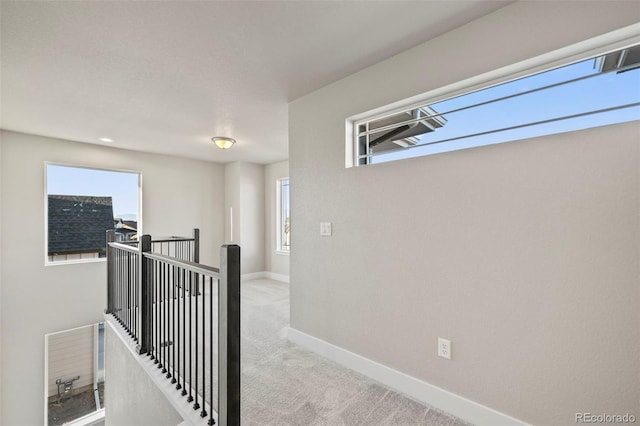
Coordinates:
(78,223)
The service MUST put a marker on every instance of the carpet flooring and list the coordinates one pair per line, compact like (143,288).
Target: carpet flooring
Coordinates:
(283,384)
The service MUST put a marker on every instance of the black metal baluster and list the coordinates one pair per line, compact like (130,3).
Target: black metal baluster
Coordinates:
(190,398)
(178,342)
(203,413)
(120,288)
(152,290)
(164,317)
(172,330)
(156,310)
(124,290)
(132,285)
(135,298)
(167,325)
(129,286)
(184,334)
(127,290)
(167,320)
(117,286)
(176,324)
(134,289)
(116,283)
(137,288)
(132,299)
(161,317)
(196,405)
(211,422)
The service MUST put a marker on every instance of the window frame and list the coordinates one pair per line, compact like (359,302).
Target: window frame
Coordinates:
(96,415)
(280,248)
(48,262)
(597,46)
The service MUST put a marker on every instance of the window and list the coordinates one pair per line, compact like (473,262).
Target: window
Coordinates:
(81,205)
(283,225)
(74,376)
(599,90)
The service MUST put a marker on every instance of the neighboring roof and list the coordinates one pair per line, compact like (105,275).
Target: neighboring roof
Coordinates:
(78,223)
(123,226)
(620,59)
(404,135)
(126,228)
(131,223)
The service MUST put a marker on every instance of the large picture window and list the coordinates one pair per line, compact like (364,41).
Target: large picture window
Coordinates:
(283,224)
(82,204)
(596,91)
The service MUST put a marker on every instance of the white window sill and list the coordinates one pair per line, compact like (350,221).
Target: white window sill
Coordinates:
(283,252)
(74,261)
(97,417)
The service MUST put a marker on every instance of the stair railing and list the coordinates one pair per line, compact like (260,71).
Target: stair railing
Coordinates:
(183,315)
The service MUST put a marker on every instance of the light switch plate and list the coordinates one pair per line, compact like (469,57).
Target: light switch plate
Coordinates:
(325,229)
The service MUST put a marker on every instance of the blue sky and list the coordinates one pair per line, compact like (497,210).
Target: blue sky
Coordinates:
(121,186)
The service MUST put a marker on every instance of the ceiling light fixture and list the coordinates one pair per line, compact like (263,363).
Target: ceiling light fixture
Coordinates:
(105,140)
(223,142)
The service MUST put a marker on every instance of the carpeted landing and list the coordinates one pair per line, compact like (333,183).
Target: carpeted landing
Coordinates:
(283,384)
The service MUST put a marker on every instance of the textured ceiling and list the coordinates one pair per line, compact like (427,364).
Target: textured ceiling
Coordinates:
(166,76)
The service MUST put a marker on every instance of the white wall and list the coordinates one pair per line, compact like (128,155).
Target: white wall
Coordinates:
(131,396)
(232,203)
(252,217)
(1,322)
(277,263)
(525,255)
(244,192)
(178,195)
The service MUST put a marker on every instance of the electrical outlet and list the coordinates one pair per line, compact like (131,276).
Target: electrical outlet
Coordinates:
(444,348)
(325,229)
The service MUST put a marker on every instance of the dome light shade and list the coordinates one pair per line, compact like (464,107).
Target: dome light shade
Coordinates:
(223,142)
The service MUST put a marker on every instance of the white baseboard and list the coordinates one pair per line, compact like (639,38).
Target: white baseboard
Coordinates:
(419,390)
(278,277)
(253,276)
(264,274)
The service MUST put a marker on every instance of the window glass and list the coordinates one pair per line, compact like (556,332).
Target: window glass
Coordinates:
(590,93)
(74,374)
(82,204)
(284,221)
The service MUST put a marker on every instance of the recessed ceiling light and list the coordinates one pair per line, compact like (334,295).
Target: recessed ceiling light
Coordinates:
(223,142)
(105,140)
